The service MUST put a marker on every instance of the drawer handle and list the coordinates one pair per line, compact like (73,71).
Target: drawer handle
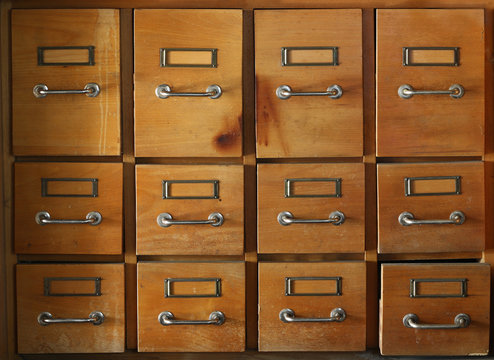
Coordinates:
(92,218)
(96,318)
(412,321)
(41,90)
(406,91)
(286,218)
(166,220)
(455,218)
(164,91)
(285,92)
(215,318)
(336,315)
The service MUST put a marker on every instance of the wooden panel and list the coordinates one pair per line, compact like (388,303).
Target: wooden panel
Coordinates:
(310,238)
(396,302)
(396,238)
(309,126)
(226,239)
(430,125)
(228,337)
(275,335)
(66,124)
(70,338)
(32,238)
(186,126)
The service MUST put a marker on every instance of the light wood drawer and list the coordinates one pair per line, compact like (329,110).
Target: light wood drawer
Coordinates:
(330,192)
(88,192)
(416,47)
(209,296)
(427,295)
(188,50)
(322,306)
(77,291)
(309,51)
(411,195)
(66,50)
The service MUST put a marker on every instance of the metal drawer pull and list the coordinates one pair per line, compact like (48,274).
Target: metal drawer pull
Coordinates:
(96,318)
(285,92)
(412,321)
(215,318)
(455,218)
(286,218)
(92,218)
(406,91)
(41,90)
(336,315)
(164,91)
(166,220)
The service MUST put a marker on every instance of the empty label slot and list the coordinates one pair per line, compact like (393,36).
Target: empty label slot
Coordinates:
(312,188)
(313,286)
(430,57)
(72,286)
(307,56)
(438,288)
(66,55)
(447,185)
(190,189)
(188,58)
(69,187)
(193,287)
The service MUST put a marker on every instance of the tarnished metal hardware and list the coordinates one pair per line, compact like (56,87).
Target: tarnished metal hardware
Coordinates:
(286,218)
(289,192)
(170,281)
(409,181)
(95,318)
(412,321)
(407,58)
(165,63)
(166,184)
(42,49)
(289,287)
(415,294)
(164,91)
(406,91)
(285,92)
(166,318)
(166,220)
(455,218)
(41,90)
(285,60)
(49,280)
(92,218)
(336,315)
(45,182)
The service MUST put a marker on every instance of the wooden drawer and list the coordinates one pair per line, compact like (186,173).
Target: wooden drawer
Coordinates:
(88,192)
(210,296)
(421,295)
(70,292)
(416,47)
(66,50)
(309,51)
(188,50)
(331,192)
(409,194)
(330,297)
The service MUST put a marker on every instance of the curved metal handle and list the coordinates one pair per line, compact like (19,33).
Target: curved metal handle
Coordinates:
(214,219)
(164,91)
(286,218)
(96,318)
(406,91)
(41,90)
(285,92)
(92,218)
(412,321)
(215,318)
(455,218)
(336,315)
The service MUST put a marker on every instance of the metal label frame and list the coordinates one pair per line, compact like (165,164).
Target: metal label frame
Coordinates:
(409,180)
(289,194)
(463,287)
(45,181)
(407,50)
(170,281)
(166,189)
(285,50)
(49,280)
(164,63)
(288,285)
(41,55)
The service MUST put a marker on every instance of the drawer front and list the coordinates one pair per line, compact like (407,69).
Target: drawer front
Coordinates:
(416,47)
(170,194)
(209,296)
(291,194)
(189,51)
(330,297)
(309,51)
(66,50)
(411,195)
(89,193)
(421,295)
(50,293)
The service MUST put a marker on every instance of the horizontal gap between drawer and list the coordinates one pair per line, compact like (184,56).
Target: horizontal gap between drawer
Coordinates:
(69,159)
(28,258)
(310,257)
(190,258)
(386,160)
(191,161)
(311,160)
(432,257)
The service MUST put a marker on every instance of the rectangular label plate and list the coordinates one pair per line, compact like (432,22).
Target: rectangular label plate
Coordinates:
(289,191)
(309,56)
(202,58)
(50,282)
(453,183)
(431,56)
(45,182)
(462,288)
(168,195)
(66,55)
(289,284)
(170,281)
